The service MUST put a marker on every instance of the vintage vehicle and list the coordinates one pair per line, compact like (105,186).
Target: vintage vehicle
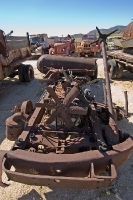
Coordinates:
(67,140)
(120,60)
(63,46)
(14,50)
(110,41)
(86,48)
(40,44)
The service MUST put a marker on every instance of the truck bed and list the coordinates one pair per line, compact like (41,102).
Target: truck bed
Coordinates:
(119,54)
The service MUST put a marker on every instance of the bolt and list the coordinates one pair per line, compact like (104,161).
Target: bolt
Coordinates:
(32,135)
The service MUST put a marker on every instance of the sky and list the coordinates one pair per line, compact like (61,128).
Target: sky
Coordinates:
(60,17)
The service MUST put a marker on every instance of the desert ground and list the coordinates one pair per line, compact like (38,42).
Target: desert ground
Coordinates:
(17,92)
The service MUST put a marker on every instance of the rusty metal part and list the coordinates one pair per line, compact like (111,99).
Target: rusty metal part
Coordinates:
(63,109)
(2,155)
(60,166)
(15,126)
(128,33)
(126,103)
(15,123)
(74,150)
(109,98)
(105,94)
(27,107)
(45,62)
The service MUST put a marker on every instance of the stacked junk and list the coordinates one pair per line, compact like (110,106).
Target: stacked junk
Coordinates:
(67,139)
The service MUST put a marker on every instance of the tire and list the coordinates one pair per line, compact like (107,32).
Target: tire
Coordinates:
(120,68)
(113,68)
(20,73)
(28,73)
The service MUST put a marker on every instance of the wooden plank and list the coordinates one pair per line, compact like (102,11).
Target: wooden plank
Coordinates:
(120,55)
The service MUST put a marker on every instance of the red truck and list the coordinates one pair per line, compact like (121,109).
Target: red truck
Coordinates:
(63,46)
(86,48)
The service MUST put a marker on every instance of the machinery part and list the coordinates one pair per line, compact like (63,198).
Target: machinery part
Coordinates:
(126,103)
(112,68)
(68,146)
(28,73)
(119,71)
(14,126)
(27,107)
(45,62)
(34,169)
(63,109)
(25,73)
(112,121)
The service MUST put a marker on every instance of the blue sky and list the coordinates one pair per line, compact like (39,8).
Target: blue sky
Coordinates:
(62,17)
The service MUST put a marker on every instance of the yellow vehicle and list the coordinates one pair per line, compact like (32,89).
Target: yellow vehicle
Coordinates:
(86,48)
(110,41)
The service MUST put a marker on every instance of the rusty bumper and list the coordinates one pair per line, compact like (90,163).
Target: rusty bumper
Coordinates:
(80,170)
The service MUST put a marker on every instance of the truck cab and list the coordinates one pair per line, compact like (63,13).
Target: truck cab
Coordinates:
(110,41)
(86,48)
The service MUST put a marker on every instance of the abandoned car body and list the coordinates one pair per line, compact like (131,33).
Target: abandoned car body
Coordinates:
(68,139)
(63,47)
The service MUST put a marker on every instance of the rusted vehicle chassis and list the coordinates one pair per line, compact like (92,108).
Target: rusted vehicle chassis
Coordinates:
(51,66)
(85,166)
(74,152)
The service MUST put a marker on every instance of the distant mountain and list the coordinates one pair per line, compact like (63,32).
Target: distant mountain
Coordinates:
(93,32)
(120,29)
(77,35)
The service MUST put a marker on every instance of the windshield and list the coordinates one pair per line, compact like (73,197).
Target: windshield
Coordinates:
(112,39)
(35,40)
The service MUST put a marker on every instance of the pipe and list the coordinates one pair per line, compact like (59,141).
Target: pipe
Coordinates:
(109,98)
(45,62)
(126,103)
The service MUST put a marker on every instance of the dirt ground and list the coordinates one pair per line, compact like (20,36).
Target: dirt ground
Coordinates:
(17,92)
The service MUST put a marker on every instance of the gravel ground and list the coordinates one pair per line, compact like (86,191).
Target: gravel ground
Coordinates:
(18,92)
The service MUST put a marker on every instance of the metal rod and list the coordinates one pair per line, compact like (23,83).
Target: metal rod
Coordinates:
(105,94)
(109,98)
(126,103)
(107,81)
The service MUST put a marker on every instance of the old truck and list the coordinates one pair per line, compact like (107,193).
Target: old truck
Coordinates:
(120,60)
(86,48)
(40,44)
(14,50)
(63,46)
(110,41)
